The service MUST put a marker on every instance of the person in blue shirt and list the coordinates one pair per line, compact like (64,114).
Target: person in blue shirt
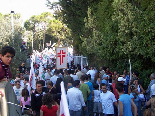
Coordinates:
(125,102)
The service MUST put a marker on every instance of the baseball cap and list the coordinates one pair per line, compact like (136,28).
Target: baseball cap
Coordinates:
(121,79)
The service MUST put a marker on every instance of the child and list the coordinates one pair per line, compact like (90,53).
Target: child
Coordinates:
(96,100)
(49,107)
(25,100)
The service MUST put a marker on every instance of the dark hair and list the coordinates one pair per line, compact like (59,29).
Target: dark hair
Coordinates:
(42,82)
(50,83)
(103,84)
(96,86)
(79,68)
(25,94)
(76,83)
(57,85)
(8,49)
(69,71)
(26,78)
(48,100)
(86,77)
(39,82)
(17,81)
(83,77)
(136,73)
(119,87)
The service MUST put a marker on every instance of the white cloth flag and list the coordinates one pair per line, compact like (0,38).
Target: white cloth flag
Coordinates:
(41,75)
(32,77)
(64,111)
(130,70)
(61,57)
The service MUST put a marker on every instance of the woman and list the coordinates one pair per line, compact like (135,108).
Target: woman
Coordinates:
(49,107)
(25,101)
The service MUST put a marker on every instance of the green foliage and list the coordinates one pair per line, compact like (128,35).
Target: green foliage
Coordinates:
(6,39)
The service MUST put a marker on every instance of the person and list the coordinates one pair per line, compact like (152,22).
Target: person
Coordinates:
(36,99)
(23,47)
(134,95)
(79,73)
(67,78)
(26,84)
(152,100)
(97,101)
(127,79)
(49,106)
(54,77)
(89,99)
(6,56)
(18,90)
(107,99)
(76,104)
(22,68)
(52,90)
(25,100)
(75,77)
(148,91)
(92,73)
(125,102)
(149,112)
(102,71)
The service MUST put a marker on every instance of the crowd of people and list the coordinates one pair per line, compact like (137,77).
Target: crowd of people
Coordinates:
(89,92)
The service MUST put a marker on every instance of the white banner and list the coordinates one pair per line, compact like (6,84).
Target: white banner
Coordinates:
(61,57)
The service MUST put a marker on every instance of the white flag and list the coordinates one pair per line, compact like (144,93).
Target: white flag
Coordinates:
(64,111)
(61,57)
(32,77)
(41,74)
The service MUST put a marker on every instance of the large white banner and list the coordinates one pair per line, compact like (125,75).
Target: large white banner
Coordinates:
(61,57)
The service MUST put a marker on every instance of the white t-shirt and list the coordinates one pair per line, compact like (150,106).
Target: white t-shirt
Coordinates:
(97,95)
(75,77)
(18,92)
(107,100)
(92,73)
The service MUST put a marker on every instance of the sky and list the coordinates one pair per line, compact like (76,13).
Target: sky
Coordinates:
(26,8)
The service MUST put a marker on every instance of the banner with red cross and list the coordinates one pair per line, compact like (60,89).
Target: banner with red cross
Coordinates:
(61,57)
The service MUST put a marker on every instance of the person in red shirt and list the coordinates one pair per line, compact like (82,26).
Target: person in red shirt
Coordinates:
(6,56)
(49,107)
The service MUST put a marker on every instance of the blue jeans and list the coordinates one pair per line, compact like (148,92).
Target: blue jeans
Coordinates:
(89,104)
(75,113)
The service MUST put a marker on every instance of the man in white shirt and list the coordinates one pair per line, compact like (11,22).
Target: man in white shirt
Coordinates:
(18,89)
(107,99)
(92,73)
(79,73)
(26,84)
(54,77)
(75,99)
(75,77)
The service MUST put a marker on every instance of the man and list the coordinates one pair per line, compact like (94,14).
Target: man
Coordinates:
(127,79)
(107,99)
(6,56)
(125,102)
(148,91)
(89,99)
(22,68)
(26,84)
(54,77)
(36,99)
(18,90)
(76,104)
(92,73)
(79,73)
(68,79)
(75,77)
(85,91)
(102,71)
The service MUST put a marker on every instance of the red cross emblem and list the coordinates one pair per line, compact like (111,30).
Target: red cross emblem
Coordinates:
(61,54)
